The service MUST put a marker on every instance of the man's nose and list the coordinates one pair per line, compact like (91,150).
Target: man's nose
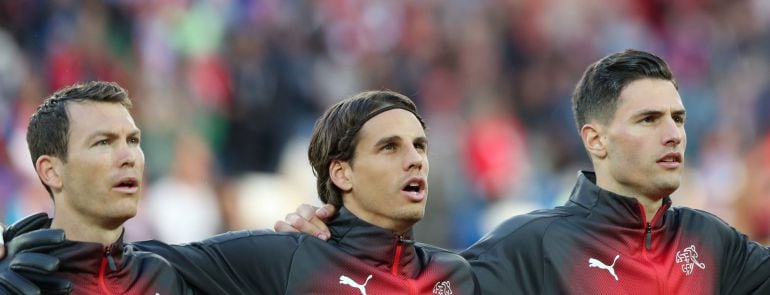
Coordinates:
(415,158)
(128,155)
(673,133)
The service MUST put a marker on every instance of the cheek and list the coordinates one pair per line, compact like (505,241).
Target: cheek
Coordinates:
(624,151)
(82,164)
(631,143)
(140,160)
(363,177)
(81,176)
(684,140)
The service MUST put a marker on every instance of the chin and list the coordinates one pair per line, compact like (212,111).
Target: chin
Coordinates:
(411,216)
(124,213)
(417,216)
(668,187)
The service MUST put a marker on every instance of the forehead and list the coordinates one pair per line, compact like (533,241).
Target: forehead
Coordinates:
(90,115)
(648,94)
(389,123)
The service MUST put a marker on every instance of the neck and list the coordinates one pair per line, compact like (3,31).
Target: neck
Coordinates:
(79,228)
(398,227)
(651,206)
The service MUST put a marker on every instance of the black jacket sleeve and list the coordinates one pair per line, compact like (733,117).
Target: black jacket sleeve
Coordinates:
(509,260)
(746,268)
(243,262)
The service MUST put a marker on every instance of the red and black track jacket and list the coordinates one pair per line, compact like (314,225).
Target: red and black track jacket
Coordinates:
(600,243)
(359,258)
(116,269)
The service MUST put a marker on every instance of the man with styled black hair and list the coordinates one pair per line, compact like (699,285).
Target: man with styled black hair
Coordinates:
(618,233)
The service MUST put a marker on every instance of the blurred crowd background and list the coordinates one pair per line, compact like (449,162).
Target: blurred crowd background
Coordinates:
(226,93)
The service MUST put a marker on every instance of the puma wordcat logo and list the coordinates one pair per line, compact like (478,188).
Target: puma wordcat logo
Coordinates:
(592,262)
(344,280)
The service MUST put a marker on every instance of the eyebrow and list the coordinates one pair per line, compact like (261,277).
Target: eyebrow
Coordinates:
(396,138)
(421,139)
(680,112)
(386,140)
(109,134)
(650,112)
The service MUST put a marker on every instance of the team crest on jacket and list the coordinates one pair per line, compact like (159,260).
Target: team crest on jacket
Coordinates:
(689,260)
(442,288)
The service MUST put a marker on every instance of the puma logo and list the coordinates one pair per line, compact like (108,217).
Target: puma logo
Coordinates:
(611,268)
(344,280)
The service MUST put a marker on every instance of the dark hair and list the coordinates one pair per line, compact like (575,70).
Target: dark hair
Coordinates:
(335,134)
(48,130)
(596,95)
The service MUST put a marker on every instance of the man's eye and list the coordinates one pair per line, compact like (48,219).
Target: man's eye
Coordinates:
(134,140)
(649,119)
(102,142)
(389,147)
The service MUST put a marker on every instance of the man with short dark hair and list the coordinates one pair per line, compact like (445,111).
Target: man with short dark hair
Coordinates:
(86,151)
(618,232)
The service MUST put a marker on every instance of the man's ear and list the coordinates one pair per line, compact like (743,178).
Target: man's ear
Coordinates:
(49,169)
(339,172)
(593,140)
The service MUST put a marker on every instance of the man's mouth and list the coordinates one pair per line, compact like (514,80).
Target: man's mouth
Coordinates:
(670,160)
(127,185)
(414,189)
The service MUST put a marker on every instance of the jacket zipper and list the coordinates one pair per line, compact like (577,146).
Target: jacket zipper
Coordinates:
(648,237)
(648,240)
(648,225)
(107,260)
(110,260)
(397,256)
(396,262)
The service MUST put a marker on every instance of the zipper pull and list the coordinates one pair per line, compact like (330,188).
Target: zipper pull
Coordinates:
(397,256)
(648,237)
(110,260)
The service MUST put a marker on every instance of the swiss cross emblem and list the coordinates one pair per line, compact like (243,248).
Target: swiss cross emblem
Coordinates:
(688,257)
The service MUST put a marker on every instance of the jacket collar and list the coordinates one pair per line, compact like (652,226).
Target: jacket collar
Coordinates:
(87,257)
(610,207)
(374,245)
(75,256)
